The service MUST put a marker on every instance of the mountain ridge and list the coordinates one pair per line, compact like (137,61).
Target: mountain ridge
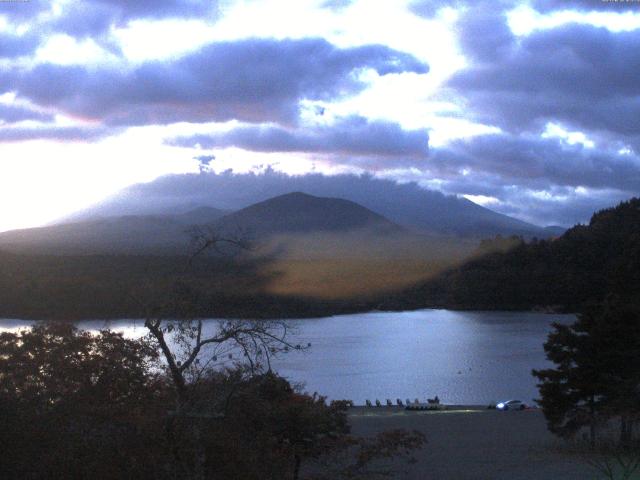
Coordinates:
(298,212)
(406,204)
(128,234)
(294,212)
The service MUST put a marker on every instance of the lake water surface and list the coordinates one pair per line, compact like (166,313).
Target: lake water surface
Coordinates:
(463,357)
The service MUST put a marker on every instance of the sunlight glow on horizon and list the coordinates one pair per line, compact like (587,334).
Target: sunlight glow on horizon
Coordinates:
(44,180)
(79,172)
(101,175)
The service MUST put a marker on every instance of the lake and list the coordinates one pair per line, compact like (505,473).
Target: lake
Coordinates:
(463,357)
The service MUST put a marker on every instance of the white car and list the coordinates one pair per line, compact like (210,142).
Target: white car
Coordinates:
(511,405)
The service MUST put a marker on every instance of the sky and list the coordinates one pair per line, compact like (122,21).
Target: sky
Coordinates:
(530,108)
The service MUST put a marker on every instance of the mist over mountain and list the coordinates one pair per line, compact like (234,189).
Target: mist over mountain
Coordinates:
(292,213)
(301,213)
(406,204)
(131,234)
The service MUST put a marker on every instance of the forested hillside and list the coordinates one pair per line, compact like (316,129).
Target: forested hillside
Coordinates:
(582,266)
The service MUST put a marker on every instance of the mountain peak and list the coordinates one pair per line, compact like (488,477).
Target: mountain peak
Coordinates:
(406,204)
(299,212)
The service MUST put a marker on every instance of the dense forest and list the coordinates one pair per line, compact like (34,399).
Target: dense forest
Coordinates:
(582,266)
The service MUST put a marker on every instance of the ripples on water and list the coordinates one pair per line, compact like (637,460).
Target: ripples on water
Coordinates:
(463,357)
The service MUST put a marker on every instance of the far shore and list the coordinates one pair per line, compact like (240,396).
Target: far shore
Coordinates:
(284,316)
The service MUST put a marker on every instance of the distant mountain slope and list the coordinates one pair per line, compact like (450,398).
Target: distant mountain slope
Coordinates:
(301,213)
(584,265)
(200,216)
(406,204)
(168,234)
(126,234)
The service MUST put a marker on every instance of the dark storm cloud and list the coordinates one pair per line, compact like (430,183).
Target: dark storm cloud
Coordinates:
(160,8)
(251,80)
(537,163)
(79,134)
(579,76)
(535,202)
(90,19)
(348,136)
(13,114)
(12,46)
(86,19)
(429,8)
(95,17)
(484,33)
(24,10)
(482,27)
(541,180)
(425,9)
(585,5)
(566,208)
(557,205)
(112,11)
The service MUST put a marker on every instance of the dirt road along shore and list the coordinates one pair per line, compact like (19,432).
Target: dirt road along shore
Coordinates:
(474,443)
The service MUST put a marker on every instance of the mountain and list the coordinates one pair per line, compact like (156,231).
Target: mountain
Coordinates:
(406,204)
(584,265)
(314,256)
(200,216)
(168,234)
(301,213)
(131,234)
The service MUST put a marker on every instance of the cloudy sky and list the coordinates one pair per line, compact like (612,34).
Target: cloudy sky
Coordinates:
(529,108)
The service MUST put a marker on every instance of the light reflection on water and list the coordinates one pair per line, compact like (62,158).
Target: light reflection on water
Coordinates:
(129,328)
(463,357)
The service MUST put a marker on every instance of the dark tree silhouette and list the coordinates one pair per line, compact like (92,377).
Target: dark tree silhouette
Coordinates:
(74,403)
(597,373)
(568,273)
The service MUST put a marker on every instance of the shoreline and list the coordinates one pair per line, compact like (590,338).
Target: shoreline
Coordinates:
(363,410)
(287,317)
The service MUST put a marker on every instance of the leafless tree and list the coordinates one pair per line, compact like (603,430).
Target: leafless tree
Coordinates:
(190,350)
(193,348)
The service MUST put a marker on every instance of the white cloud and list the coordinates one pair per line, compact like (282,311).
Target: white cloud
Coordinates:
(46,179)
(553,130)
(483,200)
(524,20)
(162,39)
(66,50)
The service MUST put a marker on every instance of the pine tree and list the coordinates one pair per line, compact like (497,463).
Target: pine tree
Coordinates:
(597,372)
